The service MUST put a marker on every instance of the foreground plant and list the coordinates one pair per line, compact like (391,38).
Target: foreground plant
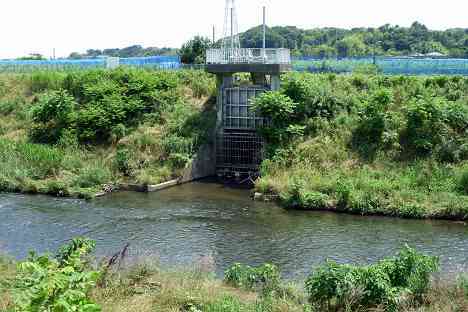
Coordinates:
(388,283)
(62,283)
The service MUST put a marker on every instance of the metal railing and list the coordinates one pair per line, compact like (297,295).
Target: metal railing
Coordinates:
(248,56)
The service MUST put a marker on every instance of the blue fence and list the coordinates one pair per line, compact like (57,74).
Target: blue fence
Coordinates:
(388,65)
(157,62)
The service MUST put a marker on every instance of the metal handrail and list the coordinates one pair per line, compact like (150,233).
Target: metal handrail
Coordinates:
(248,56)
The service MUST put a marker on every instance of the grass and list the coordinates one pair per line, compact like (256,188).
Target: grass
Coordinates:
(419,189)
(358,158)
(151,150)
(7,271)
(146,287)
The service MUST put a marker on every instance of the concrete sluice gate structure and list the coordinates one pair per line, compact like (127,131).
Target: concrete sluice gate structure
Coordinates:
(239,149)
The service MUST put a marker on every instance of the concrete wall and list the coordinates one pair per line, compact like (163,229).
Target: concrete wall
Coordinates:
(203,164)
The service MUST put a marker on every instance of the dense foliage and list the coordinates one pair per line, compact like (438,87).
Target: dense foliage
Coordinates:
(69,133)
(265,278)
(388,282)
(384,40)
(67,282)
(194,50)
(97,104)
(62,283)
(131,51)
(368,144)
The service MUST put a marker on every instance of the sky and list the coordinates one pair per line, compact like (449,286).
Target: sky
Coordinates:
(39,26)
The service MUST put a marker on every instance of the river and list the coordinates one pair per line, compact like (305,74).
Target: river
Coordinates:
(182,225)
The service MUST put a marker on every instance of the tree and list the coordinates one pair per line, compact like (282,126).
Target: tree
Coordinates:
(75,56)
(93,52)
(32,57)
(194,51)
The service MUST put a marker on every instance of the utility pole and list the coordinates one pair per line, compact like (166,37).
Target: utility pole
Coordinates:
(232,28)
(214,35)
(264,27)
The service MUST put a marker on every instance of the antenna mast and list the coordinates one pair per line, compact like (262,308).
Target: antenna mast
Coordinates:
(231,31)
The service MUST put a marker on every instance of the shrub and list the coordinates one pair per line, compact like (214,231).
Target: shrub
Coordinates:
(52,114)
(376,128)
(118,132)
(463,182)
(122,161)
(383,283)
(57,188)
(426,125)
(102,105)
(265,278)
(92,176)
(279,109)
(276,106)
(314,96)
(45,81)
(68,140)
(297,197)
(62,283)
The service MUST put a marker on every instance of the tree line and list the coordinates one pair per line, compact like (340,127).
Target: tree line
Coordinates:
(131,51)
(388,40)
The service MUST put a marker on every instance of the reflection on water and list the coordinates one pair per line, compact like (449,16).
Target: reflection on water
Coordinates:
(182,224)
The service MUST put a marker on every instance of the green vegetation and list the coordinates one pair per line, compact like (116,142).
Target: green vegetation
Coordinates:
(194,51)
(385,40)
(368,144)
(32,57)
(70,133)
(62,283)
(388,283)
(265,278)
(70,281)
(131,51)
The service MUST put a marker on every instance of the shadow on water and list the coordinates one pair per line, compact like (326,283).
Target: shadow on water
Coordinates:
(182,224)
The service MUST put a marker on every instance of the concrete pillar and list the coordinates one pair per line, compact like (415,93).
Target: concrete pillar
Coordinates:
(219,103)
(275,82)
(228,80)
(223,81)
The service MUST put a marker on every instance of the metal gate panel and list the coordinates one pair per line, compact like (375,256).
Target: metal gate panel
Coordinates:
(237,111)
(239,151)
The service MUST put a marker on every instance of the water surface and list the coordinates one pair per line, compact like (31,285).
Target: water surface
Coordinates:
(199,220)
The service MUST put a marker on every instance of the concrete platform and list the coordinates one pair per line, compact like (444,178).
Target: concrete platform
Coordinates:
(248,68)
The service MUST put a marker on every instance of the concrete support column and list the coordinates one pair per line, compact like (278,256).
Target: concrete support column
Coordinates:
(275,82)
(225,80)
(228,80)
(219,103)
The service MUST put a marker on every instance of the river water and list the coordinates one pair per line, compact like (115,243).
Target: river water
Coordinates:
(182,225)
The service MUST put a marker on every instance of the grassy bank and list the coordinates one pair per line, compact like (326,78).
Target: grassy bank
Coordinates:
(369,144)
(69,282)
(72,133)
(362,143)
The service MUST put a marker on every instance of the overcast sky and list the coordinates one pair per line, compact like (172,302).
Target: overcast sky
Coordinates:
(37,26)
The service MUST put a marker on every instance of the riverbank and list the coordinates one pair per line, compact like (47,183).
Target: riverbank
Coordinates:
(117,285)
(86,132)
(369,145)
(363,144)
